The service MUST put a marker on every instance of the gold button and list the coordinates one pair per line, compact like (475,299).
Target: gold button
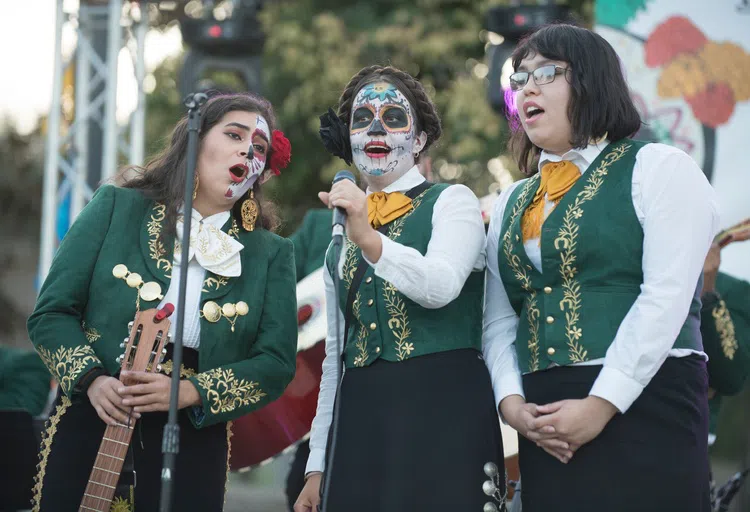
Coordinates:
(373,326)
(368,280)
(370,302)
(377,350)
(547,290)
(550,320)
(551,351)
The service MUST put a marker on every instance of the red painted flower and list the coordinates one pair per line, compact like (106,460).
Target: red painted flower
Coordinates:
(281,152)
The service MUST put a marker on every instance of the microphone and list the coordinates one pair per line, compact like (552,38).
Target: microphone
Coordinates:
(339,214)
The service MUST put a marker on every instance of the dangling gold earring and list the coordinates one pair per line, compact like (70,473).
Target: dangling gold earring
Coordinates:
(195,186)
(249,212)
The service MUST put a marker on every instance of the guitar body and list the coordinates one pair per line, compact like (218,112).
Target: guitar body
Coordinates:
(144,350)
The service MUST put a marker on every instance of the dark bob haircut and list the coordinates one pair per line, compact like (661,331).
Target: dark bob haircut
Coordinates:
(600,102)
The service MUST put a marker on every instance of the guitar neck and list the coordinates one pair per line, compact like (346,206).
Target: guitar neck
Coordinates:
(100,490)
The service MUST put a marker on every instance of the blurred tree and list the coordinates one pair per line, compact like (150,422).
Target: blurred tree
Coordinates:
(312,49)
(20,215)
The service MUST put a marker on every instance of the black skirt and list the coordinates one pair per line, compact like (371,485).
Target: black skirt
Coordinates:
(72,441)
(415,435)
(653,458)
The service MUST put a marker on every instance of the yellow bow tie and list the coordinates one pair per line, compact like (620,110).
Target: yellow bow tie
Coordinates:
(383,207)
(557,178)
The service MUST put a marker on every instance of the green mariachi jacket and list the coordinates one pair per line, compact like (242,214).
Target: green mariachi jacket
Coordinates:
(81,316)
(591,252)
(311,241)
(24,381)
(387,324)
(725,326)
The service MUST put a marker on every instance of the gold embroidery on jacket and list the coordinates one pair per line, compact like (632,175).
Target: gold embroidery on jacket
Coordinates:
(45,449)
(120,504)
(514,261)
(725,328)
(155,247)
(229,456)
(66,364)
(567,242)
(225,392)
(168,366)
(91,334)
(361,343)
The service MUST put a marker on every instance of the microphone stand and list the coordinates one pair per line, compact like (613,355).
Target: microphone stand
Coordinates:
(170,445)
(338,242)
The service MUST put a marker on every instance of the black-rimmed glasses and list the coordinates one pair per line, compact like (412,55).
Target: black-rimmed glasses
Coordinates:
(542,75)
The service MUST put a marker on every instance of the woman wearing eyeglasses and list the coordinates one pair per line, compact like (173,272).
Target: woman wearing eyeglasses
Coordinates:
(591,328)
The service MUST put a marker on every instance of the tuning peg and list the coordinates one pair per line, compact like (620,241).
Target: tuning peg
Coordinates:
(164,351)
(158,367)
(120,358)
(130,325)
(169,338)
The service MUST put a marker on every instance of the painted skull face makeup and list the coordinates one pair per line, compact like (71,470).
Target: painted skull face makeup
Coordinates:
(383,131)
(246,174)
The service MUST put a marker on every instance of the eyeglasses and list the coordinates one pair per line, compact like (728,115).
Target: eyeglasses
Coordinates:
(542,75)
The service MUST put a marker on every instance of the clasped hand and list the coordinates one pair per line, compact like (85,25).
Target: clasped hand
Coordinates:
(114,401)
(559,428)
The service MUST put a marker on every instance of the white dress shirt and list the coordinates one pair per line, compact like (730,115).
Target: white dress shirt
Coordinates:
(456,248)
(676,206)
(195,276)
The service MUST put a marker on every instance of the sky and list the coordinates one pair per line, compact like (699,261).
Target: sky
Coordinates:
(27,39)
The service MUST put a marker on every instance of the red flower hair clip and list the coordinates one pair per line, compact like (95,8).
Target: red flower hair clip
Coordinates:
(281,152)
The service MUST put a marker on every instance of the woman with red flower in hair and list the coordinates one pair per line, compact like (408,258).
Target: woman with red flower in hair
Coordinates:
(240,334)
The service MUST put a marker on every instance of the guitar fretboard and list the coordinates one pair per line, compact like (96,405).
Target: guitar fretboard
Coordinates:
(100,489)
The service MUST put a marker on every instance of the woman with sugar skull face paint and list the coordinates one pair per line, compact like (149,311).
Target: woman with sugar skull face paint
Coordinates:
(122,256)
(592,309)
(417,418)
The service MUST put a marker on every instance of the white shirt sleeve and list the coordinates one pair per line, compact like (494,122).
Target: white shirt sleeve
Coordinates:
(456,248)
(678,211)
(328,382)
(500,319)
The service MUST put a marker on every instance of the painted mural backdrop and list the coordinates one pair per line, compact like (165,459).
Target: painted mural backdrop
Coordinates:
(688,65)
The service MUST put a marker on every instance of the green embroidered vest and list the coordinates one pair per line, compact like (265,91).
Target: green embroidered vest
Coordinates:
(591,253)
(385,323)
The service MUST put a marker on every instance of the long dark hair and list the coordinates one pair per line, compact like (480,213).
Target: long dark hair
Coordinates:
(162,178)
(427,119)
(600,102)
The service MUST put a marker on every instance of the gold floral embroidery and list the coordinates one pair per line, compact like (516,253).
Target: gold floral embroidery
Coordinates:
(234,230)
(91,334)
(395,227)
(514,261)
(214,282)
(167,367)
(399,321)
(120,504)
(45,449)
(567,241)
(229,456)
(725,328)
(350,263)
(225,392)
(66,364)
(361,344)
(155,247)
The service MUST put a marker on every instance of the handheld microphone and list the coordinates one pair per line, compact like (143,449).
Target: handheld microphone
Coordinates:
(339,214)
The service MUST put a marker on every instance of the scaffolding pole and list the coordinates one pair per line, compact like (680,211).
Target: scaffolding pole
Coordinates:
(67,150)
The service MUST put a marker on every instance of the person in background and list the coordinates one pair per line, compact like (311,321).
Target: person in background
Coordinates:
(24,392)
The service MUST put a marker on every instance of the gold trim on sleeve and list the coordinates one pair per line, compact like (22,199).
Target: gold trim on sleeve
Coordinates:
(225,392)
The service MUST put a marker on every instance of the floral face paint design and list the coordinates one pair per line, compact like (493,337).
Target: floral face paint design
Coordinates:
(245,175)
(382,131)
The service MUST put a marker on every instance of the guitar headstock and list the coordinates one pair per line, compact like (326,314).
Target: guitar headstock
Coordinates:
(149,333)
